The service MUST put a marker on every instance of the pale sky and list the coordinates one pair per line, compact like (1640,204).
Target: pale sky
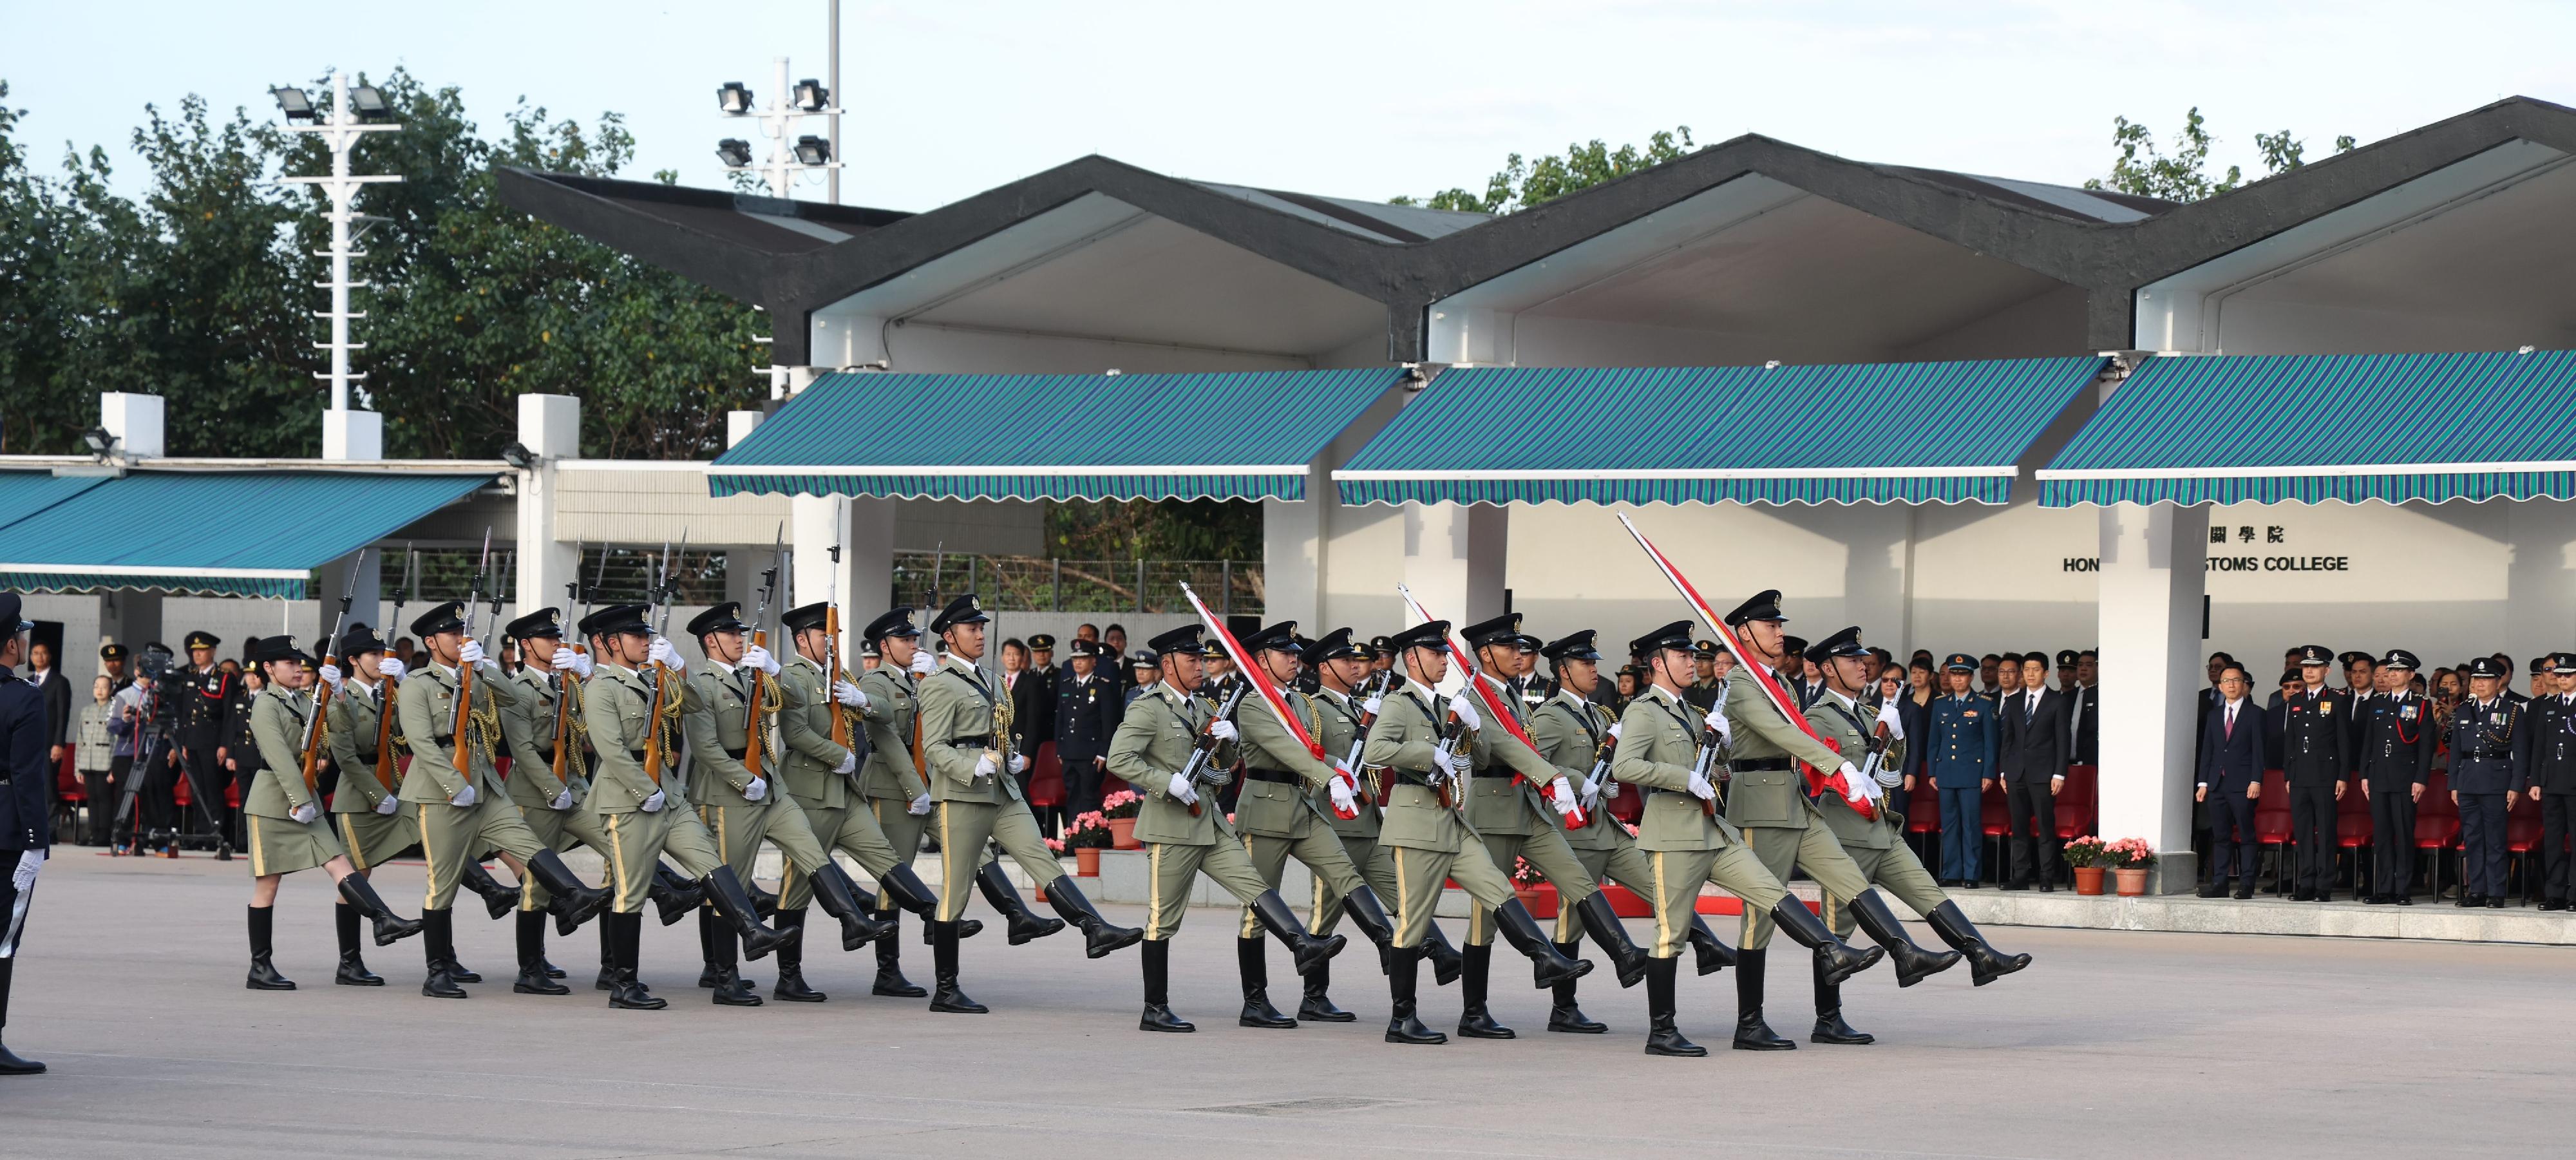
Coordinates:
(1349,99)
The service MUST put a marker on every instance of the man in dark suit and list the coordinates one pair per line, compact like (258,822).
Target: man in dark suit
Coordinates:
(2314,758)
(48,679)
(2083,705)
(2231,783)
(2033,765)
(26,806)
(1087,711)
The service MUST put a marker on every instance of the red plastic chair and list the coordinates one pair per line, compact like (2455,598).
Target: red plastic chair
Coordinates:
(2437,822)
(2521,836)
(2079,806)
(1923,817)
(1994,816)
(2353,828)
(2272,822)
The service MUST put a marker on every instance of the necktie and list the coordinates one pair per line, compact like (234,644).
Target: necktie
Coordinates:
(2231,719)
(2030,708)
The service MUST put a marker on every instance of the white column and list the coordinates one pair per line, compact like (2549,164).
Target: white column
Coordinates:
(549,425)
(1453,558)
(2151,588)
(1296,536)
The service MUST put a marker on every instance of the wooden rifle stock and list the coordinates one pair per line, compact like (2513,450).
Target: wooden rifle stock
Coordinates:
(565,690)
(314,729)
(759,686)
(465,719)
(653,755)
(387,772)
(832,633)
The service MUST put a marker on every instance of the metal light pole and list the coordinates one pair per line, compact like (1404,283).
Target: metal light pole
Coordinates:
(832,77)
(789,153)
(346,433)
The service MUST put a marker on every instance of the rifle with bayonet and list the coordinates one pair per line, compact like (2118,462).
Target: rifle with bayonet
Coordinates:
(387,771)
(314,729)
(1200,768)
(465,672)
(760,640)
(1373,688)
(656,754)
(832,634)
(566,688)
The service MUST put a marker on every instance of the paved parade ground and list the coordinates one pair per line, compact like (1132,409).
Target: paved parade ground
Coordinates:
(2113,1043)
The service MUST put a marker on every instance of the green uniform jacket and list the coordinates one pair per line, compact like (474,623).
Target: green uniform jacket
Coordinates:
(805,768)
(427,716)
(1658,743)
(1568,730)
(1341,719)
(277,721)
(352,726)
(1151,745)
(893,702)
(1853,830)
(716,722)
(615,703)
(1406,737)
(529,727)
(1268,808)
(1498,802)
(959,723)
(1768,797)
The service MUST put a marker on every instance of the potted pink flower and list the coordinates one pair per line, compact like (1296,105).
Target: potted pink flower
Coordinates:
(1087,837)
(2086,856)
(2129,859)
(1119,810)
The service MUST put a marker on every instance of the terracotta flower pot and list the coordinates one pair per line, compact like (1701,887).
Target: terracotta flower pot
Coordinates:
(1086,864)
(2133,882)
(2088,879)
(1122,834)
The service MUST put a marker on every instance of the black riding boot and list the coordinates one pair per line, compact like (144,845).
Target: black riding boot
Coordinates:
(362,897)
(1563,1015)
(839,897)
(1273,914)
(890,981)
(1099,936)
(1548,965)
(1608,933)
(497,899)
(1714,956)
(1446,962)
(1368,914)
(943,966)
(1663,1033)
(1913,963)
(734,905)
(263,975)
(1985,963)
(1025,924)
(1158,991)
(710,932)
(901,889)
(1751,1033)
(730,990)
(1839,959)
(607,980)
(353,970)
(10,1064)
(763,903)
(1830,1027)
(570,902)
(1254,964)
(674,895)
(1474,1021)
(1403,1023)
(791,986)
(629,992)
(532,957)
(438,946)
(1316,1006)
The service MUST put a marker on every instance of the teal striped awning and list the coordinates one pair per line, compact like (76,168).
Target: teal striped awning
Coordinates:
(1928,432)
(24,493)
(2319,428)
(258,533)
(1117,437)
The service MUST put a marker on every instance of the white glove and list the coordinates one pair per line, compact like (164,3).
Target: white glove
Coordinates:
(572,662)
(1560,793)
(1591,793)
(1700,788)
(563,800)
(470,654)
(985,765)
(1182,789)
(304,814)
(922,664)
(849,694)
(1862,788)
(1887,716)
(1370,706)
(387,804)
(758,789)
(1465,707)
(24,875)
(464,797)
(390,669)
(919,806)
(849,763)
(1221,729)
(757,657)
(1614,729)
(330,675)
(1019,763)
(664,655)
(1344,801)
(653,804)
(1716,719)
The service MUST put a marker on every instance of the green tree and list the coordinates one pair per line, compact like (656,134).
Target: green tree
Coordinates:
(1521,183)
(2147,171)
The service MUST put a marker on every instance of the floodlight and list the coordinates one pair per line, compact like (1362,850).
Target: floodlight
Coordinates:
(369,102)
(297,105)
(811,96)
(734,152)
(812,150)
(733,98)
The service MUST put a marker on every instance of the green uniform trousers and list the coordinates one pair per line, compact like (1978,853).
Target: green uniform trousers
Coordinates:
(373,838)
(1895,870)
(851,831)
(1814,850)
(1549,853)
(638,841)
(964,827)
(560,830)
(739,831)
(1322,852)
(1420,875)
(451,836)
(1175,867)
(1376,862)
(1675,877)
(1626,865)
(284,845)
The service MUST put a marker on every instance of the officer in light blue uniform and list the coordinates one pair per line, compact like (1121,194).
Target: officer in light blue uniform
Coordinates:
(1960,756)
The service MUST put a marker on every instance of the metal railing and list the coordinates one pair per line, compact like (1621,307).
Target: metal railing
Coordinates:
(1053,584)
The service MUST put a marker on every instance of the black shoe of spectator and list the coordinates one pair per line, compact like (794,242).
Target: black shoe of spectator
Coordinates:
(2213,890)
(2245,889)
(2553,904)
(2016,886)
(2496,903)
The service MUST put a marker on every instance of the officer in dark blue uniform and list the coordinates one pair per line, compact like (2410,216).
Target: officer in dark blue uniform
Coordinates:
(2483,779)
(202,697)
(26,805)
(2393,752)
(2312,758)
(1960,756)
(2544,753)
(1087,710)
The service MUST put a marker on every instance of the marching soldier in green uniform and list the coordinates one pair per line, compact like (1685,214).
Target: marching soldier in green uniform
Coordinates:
(1347,699)
(1428,743)
(964,728)
(818,774)
(1278,816)
(892,785)
(1573,734)
(287,832)
(739,804)
(1665,747)
(633,808)
(1506,810)
(1185,831)
(463,812)
(1877,845)
(373,822)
